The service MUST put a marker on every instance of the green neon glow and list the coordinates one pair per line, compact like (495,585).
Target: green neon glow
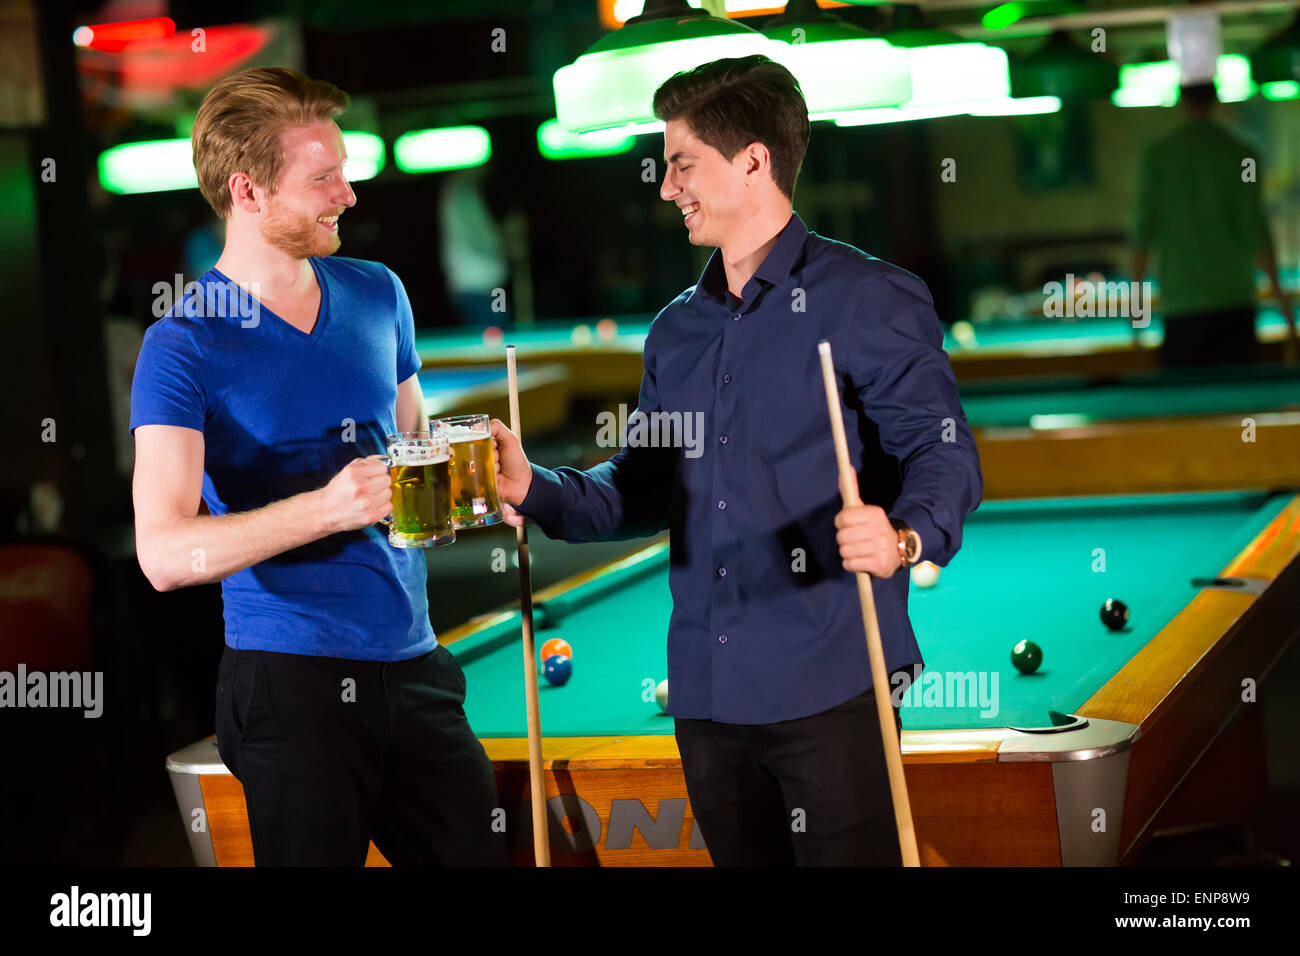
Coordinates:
(435,150)
(1003,16)
(846,74)
(955,72)
(163,164)
(1156,83)
(147,167)
(365,155)
(555,142)
(1280,90)
(615,86)
(1064,420)
(1017,106)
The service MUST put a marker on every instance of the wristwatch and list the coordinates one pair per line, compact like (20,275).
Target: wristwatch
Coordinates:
(909,545)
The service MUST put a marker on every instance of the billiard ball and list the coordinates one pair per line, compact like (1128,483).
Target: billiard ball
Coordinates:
(557,645)
(493,335)
(1026,656)
(964,333)
(1114,614)
(581,335)
(925,574)
(661,696)
(557,670)
(606,330)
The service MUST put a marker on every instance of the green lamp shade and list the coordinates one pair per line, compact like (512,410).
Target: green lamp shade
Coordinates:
(365,155)
(957,72)
(1278,60)
(840,67)
(1156,83)
(1059,68)
(1007,15)
(1280,90)
(555,142)
(148,167)
(436,150)
(614,82)
(163,164)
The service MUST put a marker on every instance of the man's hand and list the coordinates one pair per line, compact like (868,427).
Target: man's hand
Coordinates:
(868,540)
(514,474)
(357,496)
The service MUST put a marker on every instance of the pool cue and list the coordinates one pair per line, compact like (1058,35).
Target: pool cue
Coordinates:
(879,679)
(541,836)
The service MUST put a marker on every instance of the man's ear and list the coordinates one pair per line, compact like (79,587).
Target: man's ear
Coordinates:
(243,193)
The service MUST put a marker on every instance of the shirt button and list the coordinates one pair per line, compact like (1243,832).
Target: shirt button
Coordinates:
(726,379)
(722,572)
(722,638)
(736,317)
(722,439)
(722,506)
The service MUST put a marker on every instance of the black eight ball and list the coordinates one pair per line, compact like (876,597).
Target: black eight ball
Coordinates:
(1114,614)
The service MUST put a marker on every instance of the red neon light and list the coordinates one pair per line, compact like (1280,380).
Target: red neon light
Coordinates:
(115,37)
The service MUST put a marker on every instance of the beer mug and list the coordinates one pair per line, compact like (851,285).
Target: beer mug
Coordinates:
(474,500)
(418,465)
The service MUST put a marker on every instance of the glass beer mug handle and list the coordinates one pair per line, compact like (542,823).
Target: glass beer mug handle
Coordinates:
(386,522)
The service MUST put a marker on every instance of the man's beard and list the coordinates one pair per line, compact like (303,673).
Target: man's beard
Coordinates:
(296,235)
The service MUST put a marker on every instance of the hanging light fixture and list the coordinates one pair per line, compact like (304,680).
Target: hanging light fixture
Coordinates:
(839,66)
(1059,68)
(613,83)
(1278,60)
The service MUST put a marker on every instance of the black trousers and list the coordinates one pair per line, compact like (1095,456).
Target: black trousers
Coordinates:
(1224,337)
(333,753)
(809,792)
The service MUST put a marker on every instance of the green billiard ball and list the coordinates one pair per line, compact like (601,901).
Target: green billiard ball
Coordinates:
(1026,656)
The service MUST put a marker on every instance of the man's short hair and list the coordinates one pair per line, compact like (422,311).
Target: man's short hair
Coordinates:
(239,125)
(732,103)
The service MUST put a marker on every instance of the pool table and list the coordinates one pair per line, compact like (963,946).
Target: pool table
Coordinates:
(1170,430)
(543,394)
(1213,581)
(1037,347)
(1003,348)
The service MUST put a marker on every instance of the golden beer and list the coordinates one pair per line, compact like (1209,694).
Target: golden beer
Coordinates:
(419,475)
(474,499)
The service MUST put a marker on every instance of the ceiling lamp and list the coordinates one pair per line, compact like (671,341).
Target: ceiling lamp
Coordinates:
(1059,68)
(614,82)
(839,66)
(440,149)
(1278,60)
(1157,83)
(945,68)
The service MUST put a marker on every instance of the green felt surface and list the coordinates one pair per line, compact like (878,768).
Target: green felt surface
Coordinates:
(1027,569)
(1154,396)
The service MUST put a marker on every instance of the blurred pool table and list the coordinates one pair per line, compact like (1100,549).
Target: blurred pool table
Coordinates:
(1003,348)
(543,394)
(1213,581)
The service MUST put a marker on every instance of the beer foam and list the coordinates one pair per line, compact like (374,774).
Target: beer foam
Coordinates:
(465,433)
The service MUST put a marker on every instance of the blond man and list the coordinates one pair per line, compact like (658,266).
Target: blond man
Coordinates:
(259,400)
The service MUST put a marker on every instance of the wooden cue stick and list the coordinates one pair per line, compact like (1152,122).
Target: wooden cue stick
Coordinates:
(541,836)
(879,679)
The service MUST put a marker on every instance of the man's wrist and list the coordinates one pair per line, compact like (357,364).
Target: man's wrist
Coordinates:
(909,544)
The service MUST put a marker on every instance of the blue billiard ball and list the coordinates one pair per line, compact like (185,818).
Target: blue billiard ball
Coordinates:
(557,670)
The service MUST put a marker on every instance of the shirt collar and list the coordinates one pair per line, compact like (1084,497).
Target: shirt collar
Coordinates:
(776,265)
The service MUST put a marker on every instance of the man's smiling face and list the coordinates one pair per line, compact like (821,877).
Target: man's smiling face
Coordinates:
(709,189)
(301,218)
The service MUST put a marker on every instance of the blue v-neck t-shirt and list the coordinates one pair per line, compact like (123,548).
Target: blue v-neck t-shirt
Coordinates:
(282,412)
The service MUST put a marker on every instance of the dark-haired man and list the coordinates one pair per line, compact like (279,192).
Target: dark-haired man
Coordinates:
(767,662)
(1208,228)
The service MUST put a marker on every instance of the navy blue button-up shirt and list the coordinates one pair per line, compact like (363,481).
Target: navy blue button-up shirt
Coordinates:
(766,624)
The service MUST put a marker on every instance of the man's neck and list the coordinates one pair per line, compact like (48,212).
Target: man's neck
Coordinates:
(742,257)
(269,273)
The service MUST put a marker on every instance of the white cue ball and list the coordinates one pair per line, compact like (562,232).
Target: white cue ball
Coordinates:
(925,574)
(661,696)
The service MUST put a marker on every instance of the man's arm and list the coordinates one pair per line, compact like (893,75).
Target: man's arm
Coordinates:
(625,497)
(410,406)
(177,547)
(892,352)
